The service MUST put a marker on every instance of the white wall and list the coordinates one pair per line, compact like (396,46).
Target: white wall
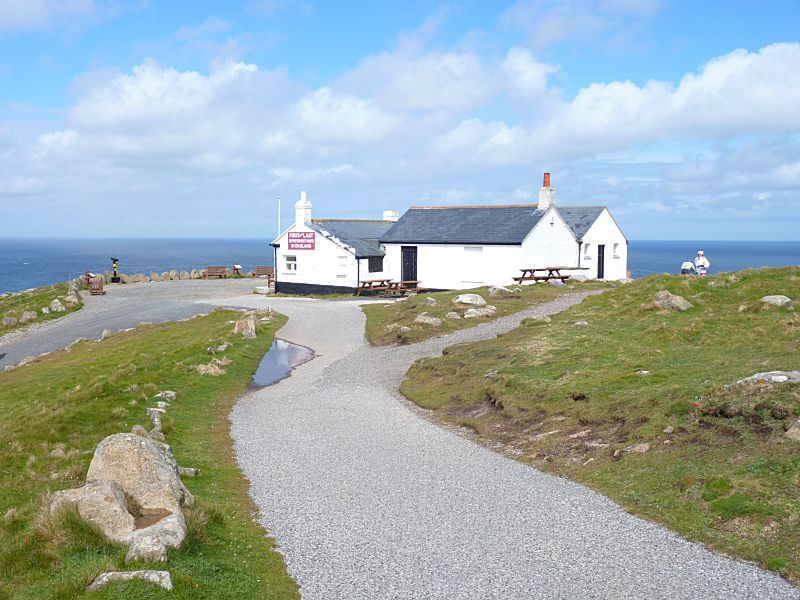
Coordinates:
(363,264)
(327,264)
(549,244)
(605,231)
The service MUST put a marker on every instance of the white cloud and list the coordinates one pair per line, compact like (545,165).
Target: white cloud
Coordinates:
(212,26)
(28,15)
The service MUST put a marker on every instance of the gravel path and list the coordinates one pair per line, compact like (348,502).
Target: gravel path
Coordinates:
(369,500)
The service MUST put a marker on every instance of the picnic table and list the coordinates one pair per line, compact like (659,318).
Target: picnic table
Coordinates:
(543,274)
(401,288)
(373,286)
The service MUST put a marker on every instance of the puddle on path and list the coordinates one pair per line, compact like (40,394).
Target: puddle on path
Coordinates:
(279,361)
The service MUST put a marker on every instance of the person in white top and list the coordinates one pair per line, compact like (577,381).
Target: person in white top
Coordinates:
(701,263)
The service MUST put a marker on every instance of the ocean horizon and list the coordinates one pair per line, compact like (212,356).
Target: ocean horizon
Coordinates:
(34,262)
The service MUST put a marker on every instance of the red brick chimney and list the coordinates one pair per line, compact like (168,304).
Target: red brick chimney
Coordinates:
(547,195)
(546,180)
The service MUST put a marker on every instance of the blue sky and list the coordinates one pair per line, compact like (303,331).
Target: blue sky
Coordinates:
(189,119)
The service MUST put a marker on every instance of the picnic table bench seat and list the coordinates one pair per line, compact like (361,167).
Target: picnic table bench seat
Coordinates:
(216,272)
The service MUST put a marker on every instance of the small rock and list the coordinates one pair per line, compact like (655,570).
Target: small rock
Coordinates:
(669,430)
(586,462)
(246,326)
(160,578)
(580,434)
(403,329)
(430,301)
(428,320)
(667,301)
(452,315)
(546,434)
(102,502)
(543,318)
(27,316)
(643,372)
(166,394)
(9,321)
(471,299)
(625,280)
(581,323)
(261,289)
(794,432)
(45,310)
(188,472)
(222,347)
(490,375)
(638,448)
(210,369)
(486,311)
(106,333)
(57,453)
(56,306)
(579,278)
(494,290)
(162,405)
(777,300)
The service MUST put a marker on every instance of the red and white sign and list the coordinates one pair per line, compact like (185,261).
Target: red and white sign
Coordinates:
(301,240)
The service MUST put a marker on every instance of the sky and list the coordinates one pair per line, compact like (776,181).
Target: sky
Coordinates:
(138,118)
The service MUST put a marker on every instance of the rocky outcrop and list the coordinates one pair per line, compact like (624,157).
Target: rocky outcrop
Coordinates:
(425,319)
(469,299)
(667,301)
(777,300)
(772,377)
(146,471)
(160,578)
(102,503)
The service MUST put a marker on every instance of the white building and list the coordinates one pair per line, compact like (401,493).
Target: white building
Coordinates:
(325,256)
(455,247)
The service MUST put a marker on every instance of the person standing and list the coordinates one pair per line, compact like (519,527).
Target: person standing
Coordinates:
(701,263)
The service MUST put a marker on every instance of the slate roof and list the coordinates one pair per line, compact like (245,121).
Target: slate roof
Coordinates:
(361,236)
(502,225)
(580,218)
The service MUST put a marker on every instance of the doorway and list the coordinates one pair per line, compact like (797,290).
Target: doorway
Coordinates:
(408,264)
(601,261)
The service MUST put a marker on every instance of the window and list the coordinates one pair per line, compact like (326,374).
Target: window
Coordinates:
(291,263)
(375,264)
(616,250)
(586,254)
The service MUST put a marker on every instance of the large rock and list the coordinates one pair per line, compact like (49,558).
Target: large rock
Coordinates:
(667,301)
(146,471)
(155,276)
(9,321)
(495,290)
(184,275)
(195,274)
(139,278)
(773,377)
(173,275)
(794,432)
(151,543)
(777,300)
(27,316)
(486,311)
(160,578)
(124,278)
(102,503)
(452,315)
(470,299)
(56,306)
(71,299)
(246,326)
(428,320)
(165,276)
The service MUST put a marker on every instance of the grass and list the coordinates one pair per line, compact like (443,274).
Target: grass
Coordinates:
(53,413)
(719,468)
(385,320)
(35,301)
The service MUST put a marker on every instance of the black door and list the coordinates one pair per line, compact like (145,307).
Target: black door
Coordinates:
(601,261)
(409,263)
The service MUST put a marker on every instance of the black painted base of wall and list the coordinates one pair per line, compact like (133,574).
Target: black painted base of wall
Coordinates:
(306,289)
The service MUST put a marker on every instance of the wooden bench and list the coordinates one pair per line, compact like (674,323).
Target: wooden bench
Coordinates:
(373,286)
(401,288)
(216,272)
(268,272)
(96,287)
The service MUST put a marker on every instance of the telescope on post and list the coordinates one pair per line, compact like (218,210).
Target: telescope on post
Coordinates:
(115,277)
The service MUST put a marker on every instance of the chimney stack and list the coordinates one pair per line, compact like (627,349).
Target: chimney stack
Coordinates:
(547,195)
(302,211)
(391,215)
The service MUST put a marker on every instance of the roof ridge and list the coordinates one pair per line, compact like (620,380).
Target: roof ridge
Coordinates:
(476,206)
(350,221)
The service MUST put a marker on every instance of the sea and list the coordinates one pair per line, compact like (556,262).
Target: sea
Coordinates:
(29,262)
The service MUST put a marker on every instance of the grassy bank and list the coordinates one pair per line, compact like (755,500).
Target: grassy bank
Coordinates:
(713,462)
(54,412)
(384,321)
(34,301)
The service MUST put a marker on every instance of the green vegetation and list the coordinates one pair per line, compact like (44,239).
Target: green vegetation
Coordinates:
(34,301)
(575,400)
(53,413)
(385,320)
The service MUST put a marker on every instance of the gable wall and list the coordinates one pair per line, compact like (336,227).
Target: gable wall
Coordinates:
(327,265)
(605,231)
(549,245)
